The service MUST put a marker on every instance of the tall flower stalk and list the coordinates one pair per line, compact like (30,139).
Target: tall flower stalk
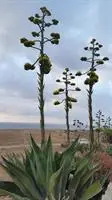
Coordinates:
(94,60)
(67,100)
(42,61)
(99,121)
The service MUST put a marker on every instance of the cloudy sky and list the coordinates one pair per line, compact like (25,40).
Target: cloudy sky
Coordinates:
(80,20)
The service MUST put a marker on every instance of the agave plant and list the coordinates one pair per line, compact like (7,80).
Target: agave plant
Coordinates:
(42,174)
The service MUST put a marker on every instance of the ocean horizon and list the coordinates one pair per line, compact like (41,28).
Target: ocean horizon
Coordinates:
(22,125)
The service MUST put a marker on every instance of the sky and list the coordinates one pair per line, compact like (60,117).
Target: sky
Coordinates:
(79,22)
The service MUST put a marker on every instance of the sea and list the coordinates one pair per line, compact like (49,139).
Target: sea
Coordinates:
(18,125)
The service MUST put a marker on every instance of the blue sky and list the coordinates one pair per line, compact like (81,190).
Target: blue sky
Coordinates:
(80,20)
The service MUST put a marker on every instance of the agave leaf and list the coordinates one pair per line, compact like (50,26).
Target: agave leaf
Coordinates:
(57,161)
(91,191)
(35,147)
(72,149)
(10,187)
(50,159)
(31,169)
(48,147)
(40,172)
(40,163)
(22,179)
(81,164)
(77,177)
(58,181)
(65,173)
(55,184)
(88,175)
(82,178)
(13,195)
(13,158)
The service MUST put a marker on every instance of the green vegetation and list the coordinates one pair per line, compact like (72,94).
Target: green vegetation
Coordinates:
(109,150)
(41,22)
(108,133)
(43,174)
(68,100)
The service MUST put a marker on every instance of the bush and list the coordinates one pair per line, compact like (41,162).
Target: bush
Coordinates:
(109,150)
(105,162)
(108,133)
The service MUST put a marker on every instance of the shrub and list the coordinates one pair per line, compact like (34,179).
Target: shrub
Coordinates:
(108,133)
(105,161)
(109,150)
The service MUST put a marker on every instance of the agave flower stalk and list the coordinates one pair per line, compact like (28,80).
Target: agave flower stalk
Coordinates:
(68,100)
(42,61)
(95,60)
(78,124)
(99,121)
(108,122)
